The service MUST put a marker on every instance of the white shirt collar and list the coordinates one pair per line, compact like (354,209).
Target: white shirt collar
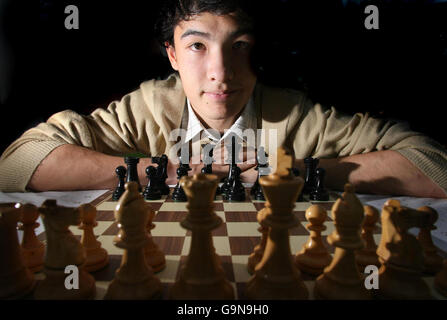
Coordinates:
(247,120)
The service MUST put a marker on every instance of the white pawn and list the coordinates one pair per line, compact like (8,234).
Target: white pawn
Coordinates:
(432,260)
(367,255)
(96,256)
(33,250)
(314,256)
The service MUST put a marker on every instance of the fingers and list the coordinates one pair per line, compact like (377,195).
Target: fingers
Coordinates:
(246,155)
(245,159)
(246,166)
(249,176)
(172,173)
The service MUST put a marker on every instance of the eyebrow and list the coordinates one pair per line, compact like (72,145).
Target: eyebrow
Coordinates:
(190,32)
(234,34)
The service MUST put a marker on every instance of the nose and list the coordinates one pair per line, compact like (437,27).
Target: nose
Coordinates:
(220,67)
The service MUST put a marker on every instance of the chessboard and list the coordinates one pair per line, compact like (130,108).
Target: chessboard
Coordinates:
(234,240)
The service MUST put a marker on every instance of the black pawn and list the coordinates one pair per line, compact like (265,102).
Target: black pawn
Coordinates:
(119,190)
(259,194)
(237,190)
(262,168)
(179,194)
(218,191)
(225,186)
(132,171)
(151,192)
(233,149)
(311,165)
(208,170)
(228,182)
(208,164)
(319,193)
(256,190)
(256,186)
(207,159)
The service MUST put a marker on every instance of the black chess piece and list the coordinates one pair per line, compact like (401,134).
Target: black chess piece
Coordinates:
(132,170)
(162,173)
(296,172)
(256,188)
(207,159)
(262,168)
(258,193)
(229,181)
(311,165)
(218,191)
(208,163)
(207,170)
(119,190)
(225,186)
(151,192)
(319,193)
(179,194)
(236,191)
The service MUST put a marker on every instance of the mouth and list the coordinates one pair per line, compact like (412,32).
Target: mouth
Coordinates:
(220,95)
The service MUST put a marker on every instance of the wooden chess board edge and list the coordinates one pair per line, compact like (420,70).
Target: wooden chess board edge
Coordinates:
(104,197)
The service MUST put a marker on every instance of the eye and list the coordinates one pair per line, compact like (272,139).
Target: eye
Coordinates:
(241,45)
(197,46)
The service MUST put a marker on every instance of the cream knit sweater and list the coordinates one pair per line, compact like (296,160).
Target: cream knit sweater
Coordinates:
(142,122)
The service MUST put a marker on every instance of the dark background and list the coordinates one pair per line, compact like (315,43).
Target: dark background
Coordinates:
(398,71)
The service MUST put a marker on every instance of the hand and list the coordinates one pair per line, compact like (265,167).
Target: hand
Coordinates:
(172,173)
(220,166)
(245,159)
(249,176)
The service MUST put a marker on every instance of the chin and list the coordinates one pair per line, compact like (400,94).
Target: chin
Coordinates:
(226,109)
(224,114)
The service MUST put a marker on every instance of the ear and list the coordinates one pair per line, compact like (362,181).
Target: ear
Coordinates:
(171,55)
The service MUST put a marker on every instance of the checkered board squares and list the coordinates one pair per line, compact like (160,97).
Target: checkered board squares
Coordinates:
(234,240)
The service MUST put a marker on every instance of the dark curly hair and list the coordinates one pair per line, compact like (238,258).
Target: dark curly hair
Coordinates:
(174,11)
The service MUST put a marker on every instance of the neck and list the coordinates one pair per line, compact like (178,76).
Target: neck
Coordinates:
(219,125)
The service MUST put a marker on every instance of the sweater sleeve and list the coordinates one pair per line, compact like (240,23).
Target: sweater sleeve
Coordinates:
(328,133)
(125,126)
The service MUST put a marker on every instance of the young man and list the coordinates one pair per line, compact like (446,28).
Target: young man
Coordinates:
(210,45)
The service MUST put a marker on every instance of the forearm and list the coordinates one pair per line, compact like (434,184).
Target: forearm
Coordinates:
(70,167)
(381,172)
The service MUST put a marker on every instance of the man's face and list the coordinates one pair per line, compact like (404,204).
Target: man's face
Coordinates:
(212,55)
